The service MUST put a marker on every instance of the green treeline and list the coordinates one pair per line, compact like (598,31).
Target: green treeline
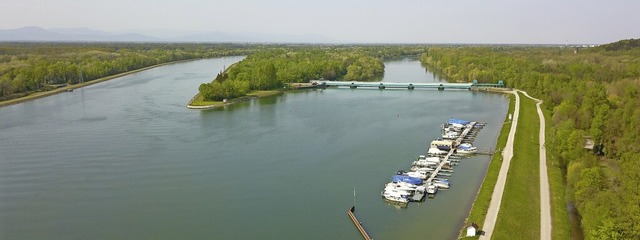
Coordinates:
(592,92)
(29,67)
(26,68)
(271,69)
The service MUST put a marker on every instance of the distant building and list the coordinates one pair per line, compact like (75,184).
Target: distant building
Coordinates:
(590,145)
(472,229)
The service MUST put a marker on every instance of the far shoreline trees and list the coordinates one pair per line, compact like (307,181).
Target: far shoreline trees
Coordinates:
(272,69)
(29,67)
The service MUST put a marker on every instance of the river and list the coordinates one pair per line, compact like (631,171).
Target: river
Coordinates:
(125,159)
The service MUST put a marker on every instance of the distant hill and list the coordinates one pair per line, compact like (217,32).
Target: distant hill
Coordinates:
(69,34)
(38,34)
(626,44)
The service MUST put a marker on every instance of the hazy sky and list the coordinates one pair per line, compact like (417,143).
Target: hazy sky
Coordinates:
(399,21)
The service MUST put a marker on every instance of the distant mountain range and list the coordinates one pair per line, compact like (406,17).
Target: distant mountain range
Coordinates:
(38,34)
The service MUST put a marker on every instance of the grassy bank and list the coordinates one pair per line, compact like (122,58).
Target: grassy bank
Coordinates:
(42,94)
(483,198)
(561,228)
(519,215)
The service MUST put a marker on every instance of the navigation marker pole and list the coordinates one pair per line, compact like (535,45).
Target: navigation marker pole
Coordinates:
(354,197)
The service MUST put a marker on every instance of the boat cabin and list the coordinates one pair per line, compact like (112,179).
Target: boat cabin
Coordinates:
(443,144)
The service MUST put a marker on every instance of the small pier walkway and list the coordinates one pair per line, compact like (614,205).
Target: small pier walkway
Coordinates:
(444,161)
(358,223)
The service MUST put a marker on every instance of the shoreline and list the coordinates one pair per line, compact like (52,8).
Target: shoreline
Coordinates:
(38,95)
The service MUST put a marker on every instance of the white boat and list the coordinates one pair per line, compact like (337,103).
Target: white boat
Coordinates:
(432,190)
(419,174)
(423,169)
(395,196)
(430,168)
(422,163)
(441,180)
(397,199)
(466,148)
(450,135)
(440,184)
(402,186)
(436,151)
(426,162)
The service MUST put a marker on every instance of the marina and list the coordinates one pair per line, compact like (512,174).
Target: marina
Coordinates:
(426,174)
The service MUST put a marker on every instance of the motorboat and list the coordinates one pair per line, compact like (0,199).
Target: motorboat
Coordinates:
(442,144)
(466,148)
(394,194)
(419,174)
(441,184)
(397,189)
(396,199)
(424,169)
(426,162)
(432,190)
(441,180)
(401,186)
(436,151)
(406,179)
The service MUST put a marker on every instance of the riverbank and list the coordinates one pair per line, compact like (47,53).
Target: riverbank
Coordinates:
(480,205)
(37,95)
(521,201)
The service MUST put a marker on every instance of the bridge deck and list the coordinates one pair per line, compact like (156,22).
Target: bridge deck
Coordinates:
(383,85)
(393,84)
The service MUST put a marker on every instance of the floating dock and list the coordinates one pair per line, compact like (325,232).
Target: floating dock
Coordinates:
(358,223)
(444,161)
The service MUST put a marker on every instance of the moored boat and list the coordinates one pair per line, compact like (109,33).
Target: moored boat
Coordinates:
(466,148)
(436,151)
(432,190)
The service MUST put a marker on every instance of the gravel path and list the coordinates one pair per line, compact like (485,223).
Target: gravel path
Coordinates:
(498,190)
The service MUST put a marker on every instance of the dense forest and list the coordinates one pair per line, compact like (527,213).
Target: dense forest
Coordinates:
(29,67)
(593,93)
(272,69)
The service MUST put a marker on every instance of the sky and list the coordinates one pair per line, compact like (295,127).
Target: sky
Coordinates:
(347,21)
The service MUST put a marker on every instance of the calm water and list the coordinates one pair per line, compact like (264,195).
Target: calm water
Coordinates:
(125,159)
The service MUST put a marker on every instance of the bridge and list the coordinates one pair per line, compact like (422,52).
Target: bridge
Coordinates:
(410,86)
